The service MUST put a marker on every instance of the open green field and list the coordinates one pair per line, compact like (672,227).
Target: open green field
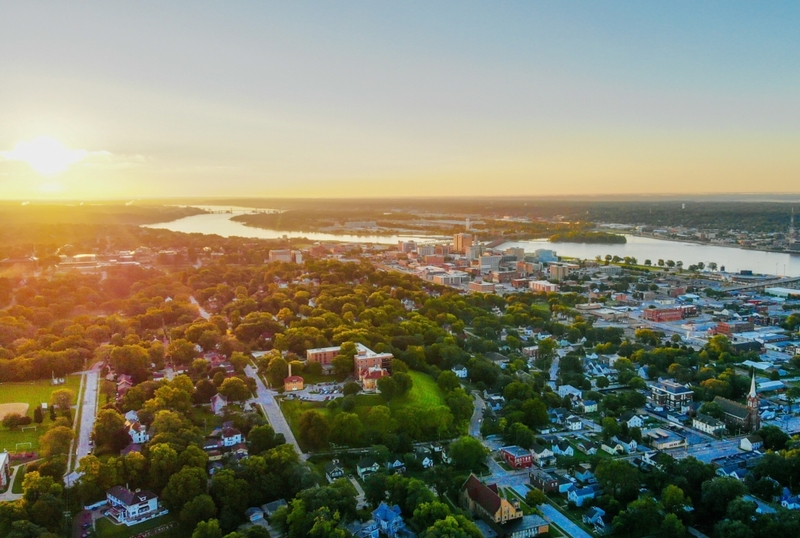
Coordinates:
(424,394)
(106,529)
(33,393)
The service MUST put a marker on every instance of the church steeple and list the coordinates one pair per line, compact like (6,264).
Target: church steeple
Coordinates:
(752,405)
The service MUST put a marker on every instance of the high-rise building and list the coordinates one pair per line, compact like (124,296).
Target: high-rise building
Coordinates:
(462,242)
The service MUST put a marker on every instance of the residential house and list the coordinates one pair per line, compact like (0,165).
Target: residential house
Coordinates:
(563,448)
(708,424)
(542,455)
(366,466)
(543,481)
(628,444)
(138,433)
(587,447)
(231,437)
(389,520)
(293,383)
(460,370)
(254,514)
(396,466)
(485,502)
(516,457)
(588,406)
(579,496)
(751,443)
(585,475)
(130,506)
(574,423)
(594,518)
(271,508)
(789,501)
(333,470)
(632,420)
(367,529)
(558,415)
(569,390)
(427,462)
(218,404)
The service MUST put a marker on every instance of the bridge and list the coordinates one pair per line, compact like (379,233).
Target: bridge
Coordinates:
(780,282)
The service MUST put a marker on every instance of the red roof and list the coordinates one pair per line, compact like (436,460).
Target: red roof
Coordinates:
(485,496)
(293,379)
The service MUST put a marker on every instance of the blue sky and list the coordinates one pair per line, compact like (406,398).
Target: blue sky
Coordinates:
(420,98)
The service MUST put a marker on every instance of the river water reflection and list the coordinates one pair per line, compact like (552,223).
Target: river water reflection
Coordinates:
(641,248)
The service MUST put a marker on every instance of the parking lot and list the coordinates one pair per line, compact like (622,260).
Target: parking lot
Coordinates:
(317,393)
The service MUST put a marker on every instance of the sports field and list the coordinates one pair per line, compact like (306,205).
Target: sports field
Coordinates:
(29,394)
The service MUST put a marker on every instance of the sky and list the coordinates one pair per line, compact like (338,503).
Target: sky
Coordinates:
(361,99)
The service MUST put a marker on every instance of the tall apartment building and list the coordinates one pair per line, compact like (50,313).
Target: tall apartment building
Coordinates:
(406,246)
(474,252)
(426,250)
(490,262)
(671,395)
(517,252)
(462,242)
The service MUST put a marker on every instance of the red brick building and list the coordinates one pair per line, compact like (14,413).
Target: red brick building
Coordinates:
(517,457)
(662,314)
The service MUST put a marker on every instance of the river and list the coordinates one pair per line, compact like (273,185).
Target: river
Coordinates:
(642,248)
(221,224)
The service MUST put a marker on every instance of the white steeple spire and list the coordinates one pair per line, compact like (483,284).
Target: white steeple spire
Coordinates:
(752,393)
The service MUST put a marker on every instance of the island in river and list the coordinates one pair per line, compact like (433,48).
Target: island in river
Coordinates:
(581,236)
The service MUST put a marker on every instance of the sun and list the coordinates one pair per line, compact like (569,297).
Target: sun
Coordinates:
(46,155)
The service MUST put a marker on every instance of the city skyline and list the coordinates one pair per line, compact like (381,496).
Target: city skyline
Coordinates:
(316,100)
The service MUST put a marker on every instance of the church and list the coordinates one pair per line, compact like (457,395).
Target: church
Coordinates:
(739,415)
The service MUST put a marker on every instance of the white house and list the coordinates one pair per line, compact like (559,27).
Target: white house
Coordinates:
(574,423)
(589,406)
(632,420)
(541,455)
(218,404)
(460,370)
(751,443)
(367,466)
(127,505)
(628,444)
(708,424)
(138,433)
(5,470)
(231,437)
(581,495)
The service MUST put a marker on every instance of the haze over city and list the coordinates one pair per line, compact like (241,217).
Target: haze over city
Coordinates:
(425,99)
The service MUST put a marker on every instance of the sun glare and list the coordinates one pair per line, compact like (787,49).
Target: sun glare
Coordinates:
(46,155)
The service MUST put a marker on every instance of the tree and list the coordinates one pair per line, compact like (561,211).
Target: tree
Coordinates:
(429,513)
(188,483)
(461,404)
(452,527)
(467,453)
(234,389)
(342,365)
(672,526)
(181,352)
(403,382)
(107,426)
(619,478)
(314,430)
(774,438)
(346,429)
(535,497)
(263,438)
(200,508)
(448,381)
(718,493)
(641,518)
(207,529)
(387,388)
(163,463)
(277,371)
(610,427)
(350,389)
(12,420)
(55,441)
(673,499)
(375,488)
(62,398)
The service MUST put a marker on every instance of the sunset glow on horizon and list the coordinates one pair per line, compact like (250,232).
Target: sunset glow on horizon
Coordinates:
(413,99)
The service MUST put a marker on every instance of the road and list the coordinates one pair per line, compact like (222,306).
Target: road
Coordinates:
(563,522)
(203,313)
(266,399)
(477,416)
(88,413)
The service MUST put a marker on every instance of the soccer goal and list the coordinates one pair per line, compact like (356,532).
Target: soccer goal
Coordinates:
(26,444)
(24,428)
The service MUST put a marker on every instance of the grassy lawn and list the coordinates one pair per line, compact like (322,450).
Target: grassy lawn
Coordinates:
(32,393)
(106,529)
(424,394)
(16,487)
(205,419)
